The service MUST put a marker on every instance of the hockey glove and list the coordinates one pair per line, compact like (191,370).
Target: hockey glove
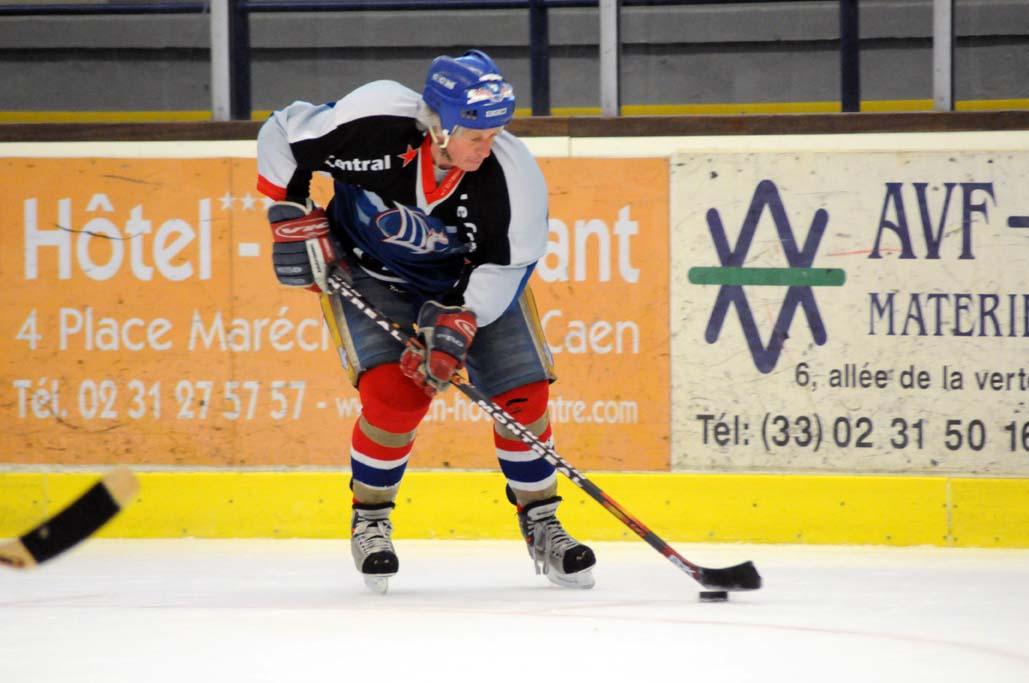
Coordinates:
(446,332)
(303,248)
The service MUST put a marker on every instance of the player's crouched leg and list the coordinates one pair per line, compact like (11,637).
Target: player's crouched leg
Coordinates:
(391,409)
(532,488)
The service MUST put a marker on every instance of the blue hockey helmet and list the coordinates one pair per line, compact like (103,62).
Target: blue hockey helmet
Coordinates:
(468,91)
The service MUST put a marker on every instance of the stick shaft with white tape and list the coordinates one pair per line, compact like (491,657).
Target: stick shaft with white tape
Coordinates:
(738,577)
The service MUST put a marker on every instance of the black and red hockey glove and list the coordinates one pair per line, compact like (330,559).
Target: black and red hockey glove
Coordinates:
(447,333)
(304,248)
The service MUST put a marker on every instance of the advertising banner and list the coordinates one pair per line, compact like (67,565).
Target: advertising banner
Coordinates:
(142,324)
(851,311)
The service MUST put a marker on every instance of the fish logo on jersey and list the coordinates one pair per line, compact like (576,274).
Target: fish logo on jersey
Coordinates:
(413,230)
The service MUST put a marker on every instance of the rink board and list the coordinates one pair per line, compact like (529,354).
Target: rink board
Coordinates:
(751,508)
(190,488)
(142,323)
(853,311)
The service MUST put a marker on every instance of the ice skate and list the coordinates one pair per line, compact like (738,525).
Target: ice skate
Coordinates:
(555,554)
(372,546)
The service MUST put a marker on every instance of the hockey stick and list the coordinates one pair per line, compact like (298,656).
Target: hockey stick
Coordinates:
(737,577)
(75,523)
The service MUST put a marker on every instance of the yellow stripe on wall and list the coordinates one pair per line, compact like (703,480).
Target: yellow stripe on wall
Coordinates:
(171,116)
(817,107)
(816,509)
(990,512)
(709,109)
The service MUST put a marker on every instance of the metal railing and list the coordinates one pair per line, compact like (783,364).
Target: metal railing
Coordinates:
(230,40)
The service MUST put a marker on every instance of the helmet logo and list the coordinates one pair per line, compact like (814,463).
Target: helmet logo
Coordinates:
(491,92)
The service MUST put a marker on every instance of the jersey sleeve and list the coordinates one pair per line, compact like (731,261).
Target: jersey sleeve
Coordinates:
(493,287)
(279,173)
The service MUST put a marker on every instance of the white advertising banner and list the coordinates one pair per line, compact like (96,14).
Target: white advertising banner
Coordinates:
(851,311)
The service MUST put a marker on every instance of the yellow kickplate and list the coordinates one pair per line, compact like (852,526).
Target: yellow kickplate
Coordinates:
(752,508)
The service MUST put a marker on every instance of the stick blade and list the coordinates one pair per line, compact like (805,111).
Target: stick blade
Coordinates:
(740,577)
(75,523)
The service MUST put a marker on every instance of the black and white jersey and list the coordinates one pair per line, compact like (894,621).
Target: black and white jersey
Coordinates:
(466,238)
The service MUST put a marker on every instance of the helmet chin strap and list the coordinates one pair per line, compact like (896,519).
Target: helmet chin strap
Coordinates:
(442,139)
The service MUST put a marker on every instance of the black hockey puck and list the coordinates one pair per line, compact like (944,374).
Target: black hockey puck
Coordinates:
(714,596)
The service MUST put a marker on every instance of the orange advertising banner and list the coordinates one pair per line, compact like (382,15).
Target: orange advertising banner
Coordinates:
(142,323)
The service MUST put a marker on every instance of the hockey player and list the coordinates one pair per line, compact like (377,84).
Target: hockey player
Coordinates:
(439,216)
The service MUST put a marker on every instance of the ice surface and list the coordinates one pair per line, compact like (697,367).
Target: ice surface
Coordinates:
(295,610)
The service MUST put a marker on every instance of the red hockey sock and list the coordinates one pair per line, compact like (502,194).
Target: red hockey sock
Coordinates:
(525,470)
(391,408)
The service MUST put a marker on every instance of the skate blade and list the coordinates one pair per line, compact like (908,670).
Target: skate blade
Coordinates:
(379,583)
(582,580)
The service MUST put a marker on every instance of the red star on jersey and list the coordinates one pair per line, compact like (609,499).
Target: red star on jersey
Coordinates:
(409,155)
